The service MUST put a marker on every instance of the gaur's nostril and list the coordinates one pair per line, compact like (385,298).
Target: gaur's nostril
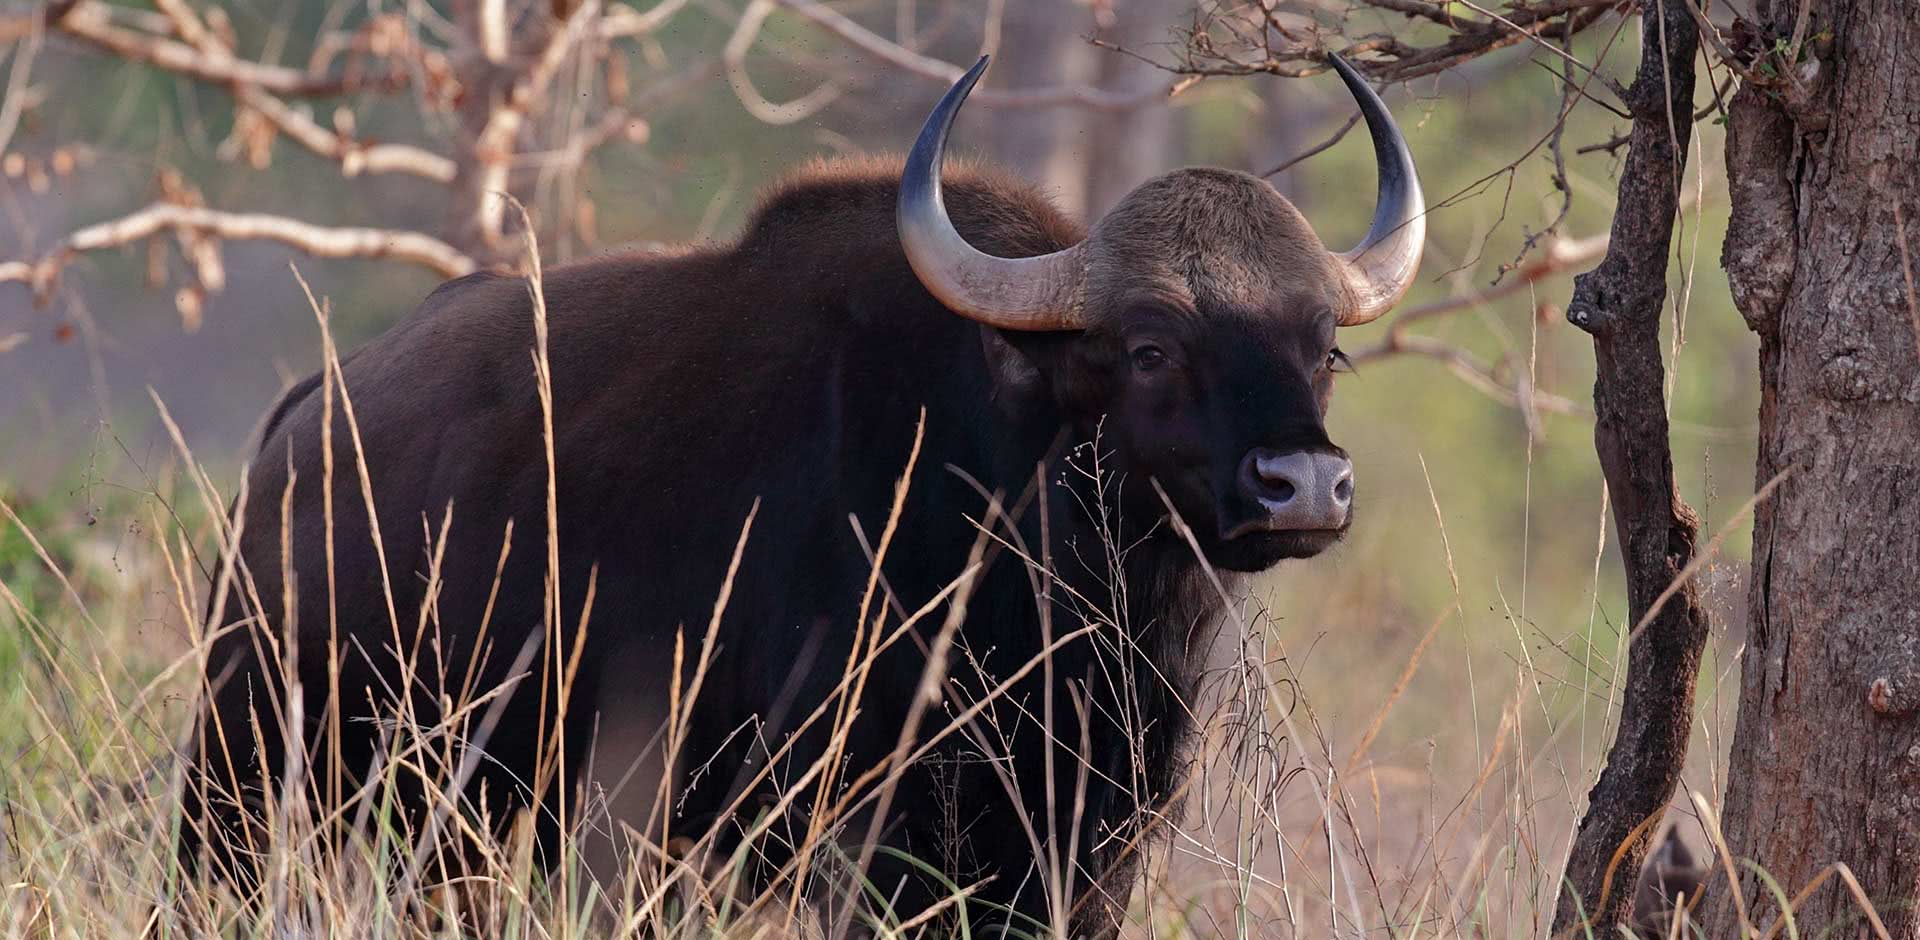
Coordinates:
(1278,491)
(1343,490)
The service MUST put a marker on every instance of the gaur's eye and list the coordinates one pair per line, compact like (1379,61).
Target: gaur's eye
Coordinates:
(1337,361)
(1148,357)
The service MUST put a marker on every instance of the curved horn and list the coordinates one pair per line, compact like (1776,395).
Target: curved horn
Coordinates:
(1382,266)
(1011,293)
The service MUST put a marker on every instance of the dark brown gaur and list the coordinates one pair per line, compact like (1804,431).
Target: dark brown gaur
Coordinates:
(1104,401)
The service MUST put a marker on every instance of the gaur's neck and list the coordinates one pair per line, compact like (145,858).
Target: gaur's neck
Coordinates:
(1148,584)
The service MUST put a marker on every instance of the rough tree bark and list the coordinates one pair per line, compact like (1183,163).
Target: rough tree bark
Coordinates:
(1826,755)
(1620,303)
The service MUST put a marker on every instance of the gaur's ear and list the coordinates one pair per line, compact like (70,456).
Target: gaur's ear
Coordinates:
(1065,370)
(1018,383)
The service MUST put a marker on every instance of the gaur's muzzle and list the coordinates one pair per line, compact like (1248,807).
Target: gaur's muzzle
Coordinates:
(1300,490)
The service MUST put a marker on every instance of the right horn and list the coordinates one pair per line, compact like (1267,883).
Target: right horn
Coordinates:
(1381,268)
(1040,293)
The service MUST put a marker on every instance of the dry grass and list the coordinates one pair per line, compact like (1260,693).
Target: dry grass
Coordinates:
(1287,827)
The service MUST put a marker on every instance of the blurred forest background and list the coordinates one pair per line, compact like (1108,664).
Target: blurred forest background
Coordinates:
(1482,524)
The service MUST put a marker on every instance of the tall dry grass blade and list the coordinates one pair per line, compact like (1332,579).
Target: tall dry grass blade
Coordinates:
(1710,821)
(1400,684)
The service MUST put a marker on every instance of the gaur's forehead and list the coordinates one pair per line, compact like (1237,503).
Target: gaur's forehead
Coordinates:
(1210,240)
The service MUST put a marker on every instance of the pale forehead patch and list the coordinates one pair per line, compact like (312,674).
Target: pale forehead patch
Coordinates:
(1210,239)
(1231,279)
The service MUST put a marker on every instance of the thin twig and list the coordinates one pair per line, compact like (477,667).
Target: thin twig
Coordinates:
(1314,150)
(946,73)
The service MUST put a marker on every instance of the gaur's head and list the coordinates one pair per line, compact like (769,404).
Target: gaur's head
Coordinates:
(1196,328)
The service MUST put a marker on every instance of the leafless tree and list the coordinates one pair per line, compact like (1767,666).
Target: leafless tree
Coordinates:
(526,92)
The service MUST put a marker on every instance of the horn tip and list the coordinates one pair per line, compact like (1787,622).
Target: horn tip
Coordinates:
(1348,74)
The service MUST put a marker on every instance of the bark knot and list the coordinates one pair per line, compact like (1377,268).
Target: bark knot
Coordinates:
(1894,701)
(1845,378)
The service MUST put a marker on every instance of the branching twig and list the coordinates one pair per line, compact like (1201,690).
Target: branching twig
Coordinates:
(1560,257)
(494,144)
(1222,42)
(1314,150)
(355,157)
(946,73)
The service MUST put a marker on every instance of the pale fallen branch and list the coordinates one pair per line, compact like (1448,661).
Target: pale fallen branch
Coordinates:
(317,240)
(1480,376)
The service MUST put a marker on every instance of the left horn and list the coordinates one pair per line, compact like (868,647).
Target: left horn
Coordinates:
(1040,293)
(1381,268)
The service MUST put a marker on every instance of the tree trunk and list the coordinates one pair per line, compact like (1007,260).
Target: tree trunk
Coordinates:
(1826,756)
(1042,43)
(1620,304)
(1131,146)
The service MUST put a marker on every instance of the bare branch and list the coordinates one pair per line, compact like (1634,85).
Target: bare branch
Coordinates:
(355,157)
(1439,13)
(613,123)
(317,240)
(1613,85)
(1314,150)
(495,141)
(1480,376)
(1560,257)
(946,73)
(187,24)
(493,30)
(623,22)
(734,55)
(1244,39)
(89,22)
